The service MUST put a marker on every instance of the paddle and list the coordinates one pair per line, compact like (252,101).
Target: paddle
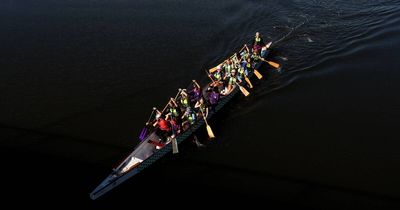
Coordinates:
(258,75)
(144,131)
(174,142)
(273,64)
(248,80)
(174,146)
(209,130)
(166,106)
(245,76)
(209,76)
(143,134)
(212,70)
(244,91)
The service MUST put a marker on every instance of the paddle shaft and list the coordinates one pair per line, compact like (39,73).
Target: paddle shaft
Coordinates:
(151,115)
(208,74)
(204,117)
(242,89)
(248,80)
(269,62)
(170,100)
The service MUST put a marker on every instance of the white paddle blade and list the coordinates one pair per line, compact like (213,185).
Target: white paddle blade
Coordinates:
(174,146)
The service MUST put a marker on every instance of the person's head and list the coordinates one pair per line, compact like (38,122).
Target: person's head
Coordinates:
(257,34)
(229,62)
(248,60)
(233,72)
(158,116)
(201,100)
(188,111)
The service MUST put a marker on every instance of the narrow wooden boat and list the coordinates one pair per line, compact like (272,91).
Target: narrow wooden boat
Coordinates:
(146,152)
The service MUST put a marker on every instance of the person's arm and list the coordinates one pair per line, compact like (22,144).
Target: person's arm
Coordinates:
(158,112)
(167,116)
(174,102)
(197,84)
(229,89)
(268,45)
(238,78)
(197,105)
(206,111)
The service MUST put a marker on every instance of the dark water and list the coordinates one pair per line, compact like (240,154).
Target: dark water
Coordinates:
(79,78)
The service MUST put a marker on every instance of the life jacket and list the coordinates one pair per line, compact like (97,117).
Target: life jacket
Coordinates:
(185,102)
(241,72)
(244,54)
(202,107)
(174,112)
(191,117)
(232,80)
(217,75)
(228,69)
(255,57)
(163,124)
(257,40)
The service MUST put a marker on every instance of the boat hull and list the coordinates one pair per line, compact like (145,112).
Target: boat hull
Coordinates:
(116,178)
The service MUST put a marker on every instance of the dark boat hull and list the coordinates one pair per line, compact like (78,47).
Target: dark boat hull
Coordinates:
(116,178)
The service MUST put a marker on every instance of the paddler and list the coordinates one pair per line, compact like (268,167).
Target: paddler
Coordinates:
(232,80)
(213,98)
(195,93)
(258,42)
(202,107)
(189,118)
(164,127)
(217,77)
(247,65)
(184,101)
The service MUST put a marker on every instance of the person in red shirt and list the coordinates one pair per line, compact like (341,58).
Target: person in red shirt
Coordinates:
(163,127)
